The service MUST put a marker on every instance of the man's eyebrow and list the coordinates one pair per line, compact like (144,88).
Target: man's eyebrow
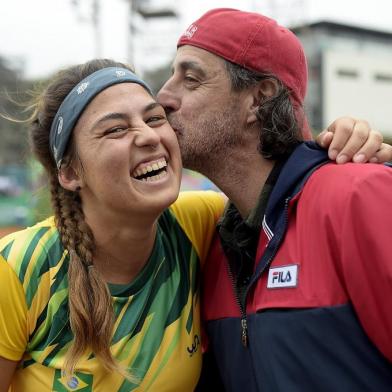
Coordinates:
(192,65)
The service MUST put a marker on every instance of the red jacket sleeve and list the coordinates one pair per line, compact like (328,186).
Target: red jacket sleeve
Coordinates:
(366,254)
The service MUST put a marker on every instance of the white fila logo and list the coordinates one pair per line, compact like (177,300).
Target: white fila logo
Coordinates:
(280,277)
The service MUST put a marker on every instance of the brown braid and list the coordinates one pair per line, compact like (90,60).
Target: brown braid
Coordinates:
(90,304)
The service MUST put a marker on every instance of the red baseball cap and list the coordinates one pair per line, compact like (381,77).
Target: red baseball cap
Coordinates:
(257,43)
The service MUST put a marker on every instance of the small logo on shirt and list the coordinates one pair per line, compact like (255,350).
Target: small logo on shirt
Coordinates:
(282,277)
(195,345)
(79,382)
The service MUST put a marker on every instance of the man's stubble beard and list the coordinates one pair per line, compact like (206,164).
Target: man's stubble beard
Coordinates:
(208,139)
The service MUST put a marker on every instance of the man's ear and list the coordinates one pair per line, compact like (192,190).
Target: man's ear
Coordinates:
(263,90)
(69,178)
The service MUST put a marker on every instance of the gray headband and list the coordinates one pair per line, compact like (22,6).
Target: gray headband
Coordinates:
(77,100)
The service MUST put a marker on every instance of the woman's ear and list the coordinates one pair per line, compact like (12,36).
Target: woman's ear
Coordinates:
(263,90)
(70,179)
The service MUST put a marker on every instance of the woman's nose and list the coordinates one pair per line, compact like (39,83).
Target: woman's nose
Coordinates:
(147,136)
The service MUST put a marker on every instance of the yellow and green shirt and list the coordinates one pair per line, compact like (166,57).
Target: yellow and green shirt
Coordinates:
(157,326)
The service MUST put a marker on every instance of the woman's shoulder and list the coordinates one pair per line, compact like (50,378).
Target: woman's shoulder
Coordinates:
(24,234)
(197,213)
(199,203)
(35,246)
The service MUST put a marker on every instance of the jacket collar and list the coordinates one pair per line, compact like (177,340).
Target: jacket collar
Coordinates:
(306,158)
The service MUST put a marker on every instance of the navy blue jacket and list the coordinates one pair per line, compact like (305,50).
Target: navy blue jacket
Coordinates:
(314,334)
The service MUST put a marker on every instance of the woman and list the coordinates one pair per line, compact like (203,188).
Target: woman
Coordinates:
(114,166)
(104,296)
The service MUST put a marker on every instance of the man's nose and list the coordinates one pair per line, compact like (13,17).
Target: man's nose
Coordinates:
(167,98)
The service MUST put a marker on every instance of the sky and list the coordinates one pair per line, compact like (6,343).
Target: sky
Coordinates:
(41,36)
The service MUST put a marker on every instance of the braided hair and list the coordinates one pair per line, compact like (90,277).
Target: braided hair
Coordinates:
(90,305)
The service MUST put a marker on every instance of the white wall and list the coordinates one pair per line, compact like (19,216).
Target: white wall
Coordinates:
(362,95)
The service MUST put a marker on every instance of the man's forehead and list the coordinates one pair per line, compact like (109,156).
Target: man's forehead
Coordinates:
(196,58)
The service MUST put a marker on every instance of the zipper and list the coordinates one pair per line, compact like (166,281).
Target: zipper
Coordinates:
(244,321)
(244,336)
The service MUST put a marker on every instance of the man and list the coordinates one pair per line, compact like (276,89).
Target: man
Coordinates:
(297,283)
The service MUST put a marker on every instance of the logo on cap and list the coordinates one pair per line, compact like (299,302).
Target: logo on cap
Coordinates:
(120,73)
(60,125)
(190,31)
(82,88)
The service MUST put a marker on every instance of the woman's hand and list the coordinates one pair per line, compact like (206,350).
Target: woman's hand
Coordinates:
(350,139)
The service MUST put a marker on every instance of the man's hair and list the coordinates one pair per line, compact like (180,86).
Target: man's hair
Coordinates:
(280,132)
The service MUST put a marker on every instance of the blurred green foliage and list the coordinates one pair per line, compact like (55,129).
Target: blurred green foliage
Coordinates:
(19,206)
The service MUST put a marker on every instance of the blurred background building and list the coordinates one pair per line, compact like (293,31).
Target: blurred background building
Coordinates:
(350,72)
(350,67)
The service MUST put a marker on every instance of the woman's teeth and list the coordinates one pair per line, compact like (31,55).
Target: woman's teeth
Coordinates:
(151,172)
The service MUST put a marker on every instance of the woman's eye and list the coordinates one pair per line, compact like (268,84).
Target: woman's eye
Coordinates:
(115,130)
(155,119)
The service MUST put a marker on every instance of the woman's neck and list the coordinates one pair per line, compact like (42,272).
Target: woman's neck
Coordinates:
(122,250)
